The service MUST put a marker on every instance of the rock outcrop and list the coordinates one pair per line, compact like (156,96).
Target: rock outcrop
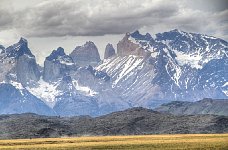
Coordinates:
(27,70)
(2,49)
(25,66)
(57,65)
(128,45)
(86,55)
(109,51)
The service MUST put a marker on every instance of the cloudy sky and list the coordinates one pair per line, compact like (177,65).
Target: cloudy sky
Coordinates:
(48,24)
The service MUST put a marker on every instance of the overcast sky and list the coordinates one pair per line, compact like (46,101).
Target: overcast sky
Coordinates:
(48,24)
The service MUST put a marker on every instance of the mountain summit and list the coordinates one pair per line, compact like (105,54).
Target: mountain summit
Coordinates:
(86,54)
(19,49)
(109,51)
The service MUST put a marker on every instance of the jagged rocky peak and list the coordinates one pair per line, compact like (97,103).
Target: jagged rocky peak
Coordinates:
(19,49)
(137,36)
(57,64)
(131,44)
(193,48)
(23,41)
(86,55)
(56,54)
(174,34)
(185,41)
(19,63)
(59,56)
(109,51)
(26,67)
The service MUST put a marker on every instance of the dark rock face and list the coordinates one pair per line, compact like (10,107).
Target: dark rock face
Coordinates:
(56,54)
(205,106)
(13,100)
(52,71)
(2,49)
(27,70)
(86,54)
(57,65)
(135,121)
(109,51)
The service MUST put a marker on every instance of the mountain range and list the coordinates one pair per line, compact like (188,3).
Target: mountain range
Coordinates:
(144,71)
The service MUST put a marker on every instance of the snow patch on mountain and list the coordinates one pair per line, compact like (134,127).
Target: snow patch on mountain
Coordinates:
(189,59)
(45,91)
(66,62)
(84,89)
(18,86)
(154,54)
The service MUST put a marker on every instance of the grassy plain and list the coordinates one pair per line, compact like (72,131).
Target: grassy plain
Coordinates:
(139,142)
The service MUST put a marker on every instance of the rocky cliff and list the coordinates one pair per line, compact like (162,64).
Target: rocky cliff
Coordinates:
(57,65)
(109,51)
(86,54)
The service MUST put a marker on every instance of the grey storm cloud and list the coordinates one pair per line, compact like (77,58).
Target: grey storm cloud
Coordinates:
(87,17)
(6,19)
(94,18)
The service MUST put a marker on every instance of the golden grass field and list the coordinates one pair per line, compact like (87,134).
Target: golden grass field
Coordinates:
(140,142)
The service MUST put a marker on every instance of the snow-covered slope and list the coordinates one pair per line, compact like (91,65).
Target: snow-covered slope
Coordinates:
(131,77)
(180,66)
(193,49)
